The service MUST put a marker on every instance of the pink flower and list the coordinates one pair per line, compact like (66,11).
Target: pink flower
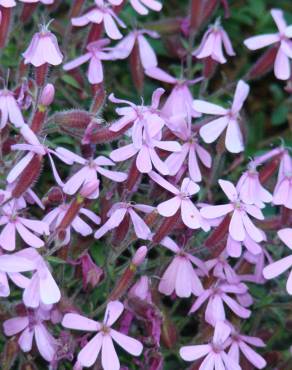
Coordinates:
(217,295)
(222,270)
(55,217)
(240,224)
(141,290)
(216,357)
(229,118)
(43,49)
(250,189)
(119,211)
(41,288)
(282,38)
(180,99)
(139,116)
(234,247)
(125,47)
(88,172)
(34,147)
(141,6)
(182,200)
(180,276)
(32,326)
(101,13)
(277,268)
(103,340)
(10,266)
(191,149)
(147,157)
(96,52)
(91,273)
(241,343)
(283,190)
(10,111)
(212,44)
(14,223)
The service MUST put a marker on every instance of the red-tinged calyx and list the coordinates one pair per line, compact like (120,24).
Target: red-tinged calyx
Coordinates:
(219,233)
(4,25)
(167,225)
(28,176)
(99,98)
(41,73)
(264,64)
(136,68)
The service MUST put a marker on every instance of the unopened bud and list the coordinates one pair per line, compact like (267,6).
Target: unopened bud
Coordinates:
(48,95)
(91,273)
(264,64)
(72,119)
(140,256)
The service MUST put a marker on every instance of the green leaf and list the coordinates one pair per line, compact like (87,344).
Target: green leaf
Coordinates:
(279,116)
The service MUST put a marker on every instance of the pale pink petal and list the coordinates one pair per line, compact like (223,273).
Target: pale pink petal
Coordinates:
(163,183)
(200,300)
(123,153)
(25,340)
(131,345)
(78,322)
(111,28)
(75,181)
(254,211)
(158,163)
(216,211)
(279,19)
(189,187)
(49,290)
(240,95)
(19,167)
(160,75)
(4,285)
(190,215)
(229,189)
(88,355)
(282,66)
(45,342)
(261,41)
(194,169)
(81,226)
(175,161)
(227,43)
(39,227)
(114,310)
(233,247)
(289,284)
(143,160)
(236,226)
(169,207)
(147,54)
(141,229)
(212,130)
(31,296)
(277,268)
(229,363)
(209,362)
(235,307)
(254,232)
(15,325)
(168,279)
(95,71)
(141,9)
(234,139)
(221,332)
(207,46)
(209,108)
(109,358)
(113,222)
(77,62)
(113,175)
(183,283)
(192,353)
(286,236)
(254,358)
(14,263)
(30,238)
(7,237)
(204,156)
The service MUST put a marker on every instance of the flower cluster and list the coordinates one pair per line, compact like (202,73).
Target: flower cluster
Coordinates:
(118,205)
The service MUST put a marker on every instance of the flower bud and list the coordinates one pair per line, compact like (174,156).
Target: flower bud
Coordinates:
(139,256)
(75,118)
(47,95)
(91,273)
(264,64)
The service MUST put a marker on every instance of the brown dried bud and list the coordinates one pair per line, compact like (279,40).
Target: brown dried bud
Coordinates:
(28,176)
